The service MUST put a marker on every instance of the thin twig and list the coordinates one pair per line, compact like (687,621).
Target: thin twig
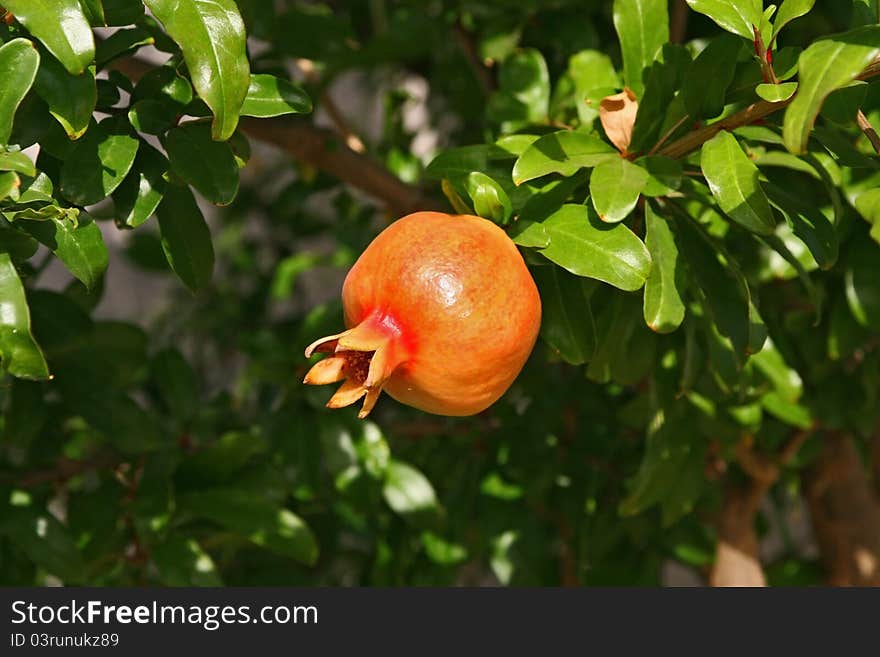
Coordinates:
(866,127)
(678,22)
(470,52)
(667,135)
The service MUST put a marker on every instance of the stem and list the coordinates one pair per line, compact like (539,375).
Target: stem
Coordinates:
(678,22)
(866,127)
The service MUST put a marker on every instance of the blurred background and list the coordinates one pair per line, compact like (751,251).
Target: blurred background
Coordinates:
(248,479)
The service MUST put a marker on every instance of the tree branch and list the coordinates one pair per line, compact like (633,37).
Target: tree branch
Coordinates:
(866,127)
(754,112)
(323,150)
(63,470)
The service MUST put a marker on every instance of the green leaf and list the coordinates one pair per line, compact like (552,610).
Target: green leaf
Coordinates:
(529,233)
(671,472)
(138,196)
(406,490)
(19,61)
(154,116)
(663,304)
(61,26)
(785,379)
(625,347)
(186,239)
(788,11)
(615,186)
(21,354)
(736,16)
(828,64)
(211,35)
(457,162)
(733,179)
(664,175)
(863,283)
(523,95)
(842,104)
(207,165)
(490,200)
(809,224)
(177,383)
(98,164)
(567,323)
(590,69)
(120,43)
(263,523)
(642,28)
(80,247)
(9,184)
(44,540)
(724,291)
(71,98)
(786,411)
(17,161)
(20,246)
(268,95)
(776,93)
(564,152)
(868,205)
(442,552)
(582,244)
(183,562)
(709,76)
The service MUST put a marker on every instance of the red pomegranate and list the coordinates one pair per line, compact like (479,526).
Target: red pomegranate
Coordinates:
(442,315)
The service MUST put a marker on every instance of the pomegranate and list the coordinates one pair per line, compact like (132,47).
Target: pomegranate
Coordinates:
(441,314)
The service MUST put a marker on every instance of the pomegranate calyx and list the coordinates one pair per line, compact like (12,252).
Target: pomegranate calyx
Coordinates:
(363,357)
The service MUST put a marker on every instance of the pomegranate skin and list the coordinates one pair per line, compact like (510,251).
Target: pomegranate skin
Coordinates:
(442,314)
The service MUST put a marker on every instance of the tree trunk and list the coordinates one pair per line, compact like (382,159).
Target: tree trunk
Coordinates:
(845,510)
(736,555)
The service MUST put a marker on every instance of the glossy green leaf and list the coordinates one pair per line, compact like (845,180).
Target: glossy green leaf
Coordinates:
(733,179)
(564,152)
(724,291)
(736,16)
(263,523)
(590,69)
(523,95)
(863,283)
(664,290)
(406,490)
(138,196)
(44,540)
(868,205)
(460,161)
(17,244)
(567,323)
(9,184)
(19,61)
(828,64)
(842,104)
(788,11)
(268,95)
(664,175)
(662,79)
(61,26)
(17,161)
(121,43)
(489,198)
(98,164)
(153,116)
(776,93)
(207,165)
(709,76)
(642,28)
(71,98)
(186,239)
(529,233)
(785,379)
(212,37)
(80,247)
(809,224)
(21,355)
(582,244)
(615,186)
(164,83)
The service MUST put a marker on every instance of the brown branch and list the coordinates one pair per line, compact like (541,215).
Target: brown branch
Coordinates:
(752,113)
(845,514)
(59,473)
(736,555)
(866,127)
(483,76)
(322,149)
(678,21)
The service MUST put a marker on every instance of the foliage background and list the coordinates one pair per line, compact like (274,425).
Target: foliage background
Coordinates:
(179,447)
